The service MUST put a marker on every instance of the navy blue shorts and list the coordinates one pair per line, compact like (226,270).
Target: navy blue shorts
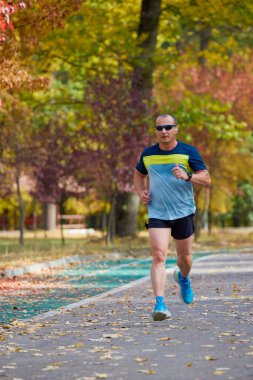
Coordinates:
(181,228)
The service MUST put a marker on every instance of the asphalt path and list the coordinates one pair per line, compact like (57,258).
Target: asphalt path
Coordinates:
(112,336)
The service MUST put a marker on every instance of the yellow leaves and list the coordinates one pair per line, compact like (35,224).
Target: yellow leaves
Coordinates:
(101,376)
(140,360)
(165,338)
(189,364)
(53,366)
(19,349)
(219,372)
(147,371)
(208,357)
(79,345)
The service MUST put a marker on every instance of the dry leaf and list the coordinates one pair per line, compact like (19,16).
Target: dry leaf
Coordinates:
(165,338)
(79,345)
(138,359)
(111,336)
(101,375)
(207,357)
(147,371)
(219,372)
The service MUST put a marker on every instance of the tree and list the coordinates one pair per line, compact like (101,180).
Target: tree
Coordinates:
(17,147)
(112,139)
(242,211)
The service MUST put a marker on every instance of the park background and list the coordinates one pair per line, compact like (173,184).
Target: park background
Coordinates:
(81,83)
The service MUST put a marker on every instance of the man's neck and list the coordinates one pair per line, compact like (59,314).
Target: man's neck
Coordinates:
(169,146)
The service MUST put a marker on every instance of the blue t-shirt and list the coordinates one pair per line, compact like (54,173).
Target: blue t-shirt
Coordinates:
(171,198)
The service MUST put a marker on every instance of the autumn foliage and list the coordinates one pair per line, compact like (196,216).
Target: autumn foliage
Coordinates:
(7,9)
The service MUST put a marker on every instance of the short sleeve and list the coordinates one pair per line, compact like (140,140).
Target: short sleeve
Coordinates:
(195,161)
(141,166)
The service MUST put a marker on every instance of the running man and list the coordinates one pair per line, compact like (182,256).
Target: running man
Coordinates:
(172,168)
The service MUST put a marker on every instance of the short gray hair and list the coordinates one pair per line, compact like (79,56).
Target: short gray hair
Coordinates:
(164,115)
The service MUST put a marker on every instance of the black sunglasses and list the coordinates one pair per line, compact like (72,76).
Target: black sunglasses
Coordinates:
(166,127)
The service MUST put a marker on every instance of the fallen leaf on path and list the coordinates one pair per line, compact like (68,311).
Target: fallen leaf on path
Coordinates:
(79,345)
(207,357)
(138,359)
(101,375)
(147,371)
(111,336)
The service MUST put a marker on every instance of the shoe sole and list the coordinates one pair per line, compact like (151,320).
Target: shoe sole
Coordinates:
(160,316)
(179,289)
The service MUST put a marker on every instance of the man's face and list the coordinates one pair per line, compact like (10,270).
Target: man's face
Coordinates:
(164,136)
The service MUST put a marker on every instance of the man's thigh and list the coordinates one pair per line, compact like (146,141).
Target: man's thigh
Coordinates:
(183,228)
(184,246)
(159,240)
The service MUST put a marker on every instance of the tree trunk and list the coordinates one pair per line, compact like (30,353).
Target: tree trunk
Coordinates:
(206,208)
(198,214)
(110,231)
(126,214)
(61,209)
(35,217)
(127,205)
(147,36)
(21,211)
(204,38)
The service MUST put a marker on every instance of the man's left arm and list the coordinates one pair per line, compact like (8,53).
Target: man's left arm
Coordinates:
(201,178)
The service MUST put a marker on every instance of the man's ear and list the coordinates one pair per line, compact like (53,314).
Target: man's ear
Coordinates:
(176,129)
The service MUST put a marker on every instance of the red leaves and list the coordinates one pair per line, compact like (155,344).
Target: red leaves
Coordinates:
(7,8)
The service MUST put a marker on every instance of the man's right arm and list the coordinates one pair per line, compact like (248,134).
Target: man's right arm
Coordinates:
(140,187)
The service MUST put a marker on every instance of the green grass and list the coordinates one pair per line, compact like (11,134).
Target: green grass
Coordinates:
(42,248)
(12,254)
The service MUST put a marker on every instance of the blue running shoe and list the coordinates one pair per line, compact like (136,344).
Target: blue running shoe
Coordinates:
(160,312)
(187,294)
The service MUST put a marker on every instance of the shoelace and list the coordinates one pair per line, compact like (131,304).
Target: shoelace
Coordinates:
(186,283)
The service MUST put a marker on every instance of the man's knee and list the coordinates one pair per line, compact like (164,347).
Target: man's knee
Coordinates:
(185,258)
(159,256)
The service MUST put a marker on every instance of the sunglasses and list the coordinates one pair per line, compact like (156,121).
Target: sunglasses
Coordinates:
(166,127)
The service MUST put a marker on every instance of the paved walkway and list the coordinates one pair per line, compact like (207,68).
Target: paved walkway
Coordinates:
(114,338)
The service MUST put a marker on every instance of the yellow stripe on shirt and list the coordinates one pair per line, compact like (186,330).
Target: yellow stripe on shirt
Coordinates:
(181,159)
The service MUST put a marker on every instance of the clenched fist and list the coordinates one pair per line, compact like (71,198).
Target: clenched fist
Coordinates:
(145,197)
(179,173)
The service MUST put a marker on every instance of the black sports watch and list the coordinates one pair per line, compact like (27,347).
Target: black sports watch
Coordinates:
(189,176)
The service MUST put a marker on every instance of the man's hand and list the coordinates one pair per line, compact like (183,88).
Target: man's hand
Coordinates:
(179,173)
(145,197)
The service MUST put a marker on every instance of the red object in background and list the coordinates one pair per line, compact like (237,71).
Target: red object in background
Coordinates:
(8,8)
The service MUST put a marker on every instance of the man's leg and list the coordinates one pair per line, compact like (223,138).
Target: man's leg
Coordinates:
(184,262)
(159,240)
(184,256)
